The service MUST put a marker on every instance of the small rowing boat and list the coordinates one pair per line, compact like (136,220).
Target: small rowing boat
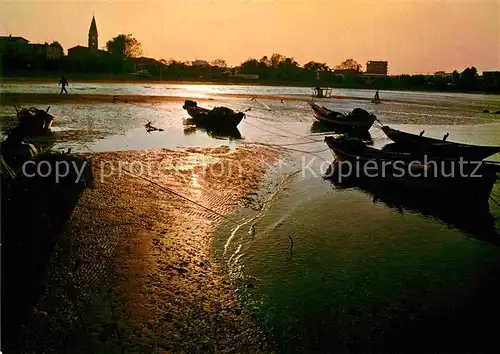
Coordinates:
(435,147)
(35,121)
(220,117)
(470,181)
(358,119)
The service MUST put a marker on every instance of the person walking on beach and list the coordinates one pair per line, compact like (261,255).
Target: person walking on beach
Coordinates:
(63,82)
(376,99)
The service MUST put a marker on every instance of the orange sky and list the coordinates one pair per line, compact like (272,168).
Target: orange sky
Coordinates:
(415,36)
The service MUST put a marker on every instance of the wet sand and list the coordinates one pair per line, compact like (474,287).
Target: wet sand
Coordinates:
(54,98)
(136,260)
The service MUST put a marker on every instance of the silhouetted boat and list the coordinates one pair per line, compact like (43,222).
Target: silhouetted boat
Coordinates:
(326,127)
(357,119)
(35,209)
(35,121)
(471,181)
(436,147)
(218,117)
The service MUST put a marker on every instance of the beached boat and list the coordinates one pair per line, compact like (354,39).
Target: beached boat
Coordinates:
(35,209)
(358,119)
(435,147)
(34,120)
(470,181)
(217,117)
(319,126)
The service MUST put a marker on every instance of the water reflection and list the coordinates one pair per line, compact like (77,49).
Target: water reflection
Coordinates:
(325,127)
(232,133)
(476,220)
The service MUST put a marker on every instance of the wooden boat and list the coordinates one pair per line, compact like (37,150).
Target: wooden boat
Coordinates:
(34,211)
(325,127)
(217,117)
(34,120)
(436,147)
(358,119)
(471,181)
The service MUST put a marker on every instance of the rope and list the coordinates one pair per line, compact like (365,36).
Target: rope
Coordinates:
(181,196)
(283,130)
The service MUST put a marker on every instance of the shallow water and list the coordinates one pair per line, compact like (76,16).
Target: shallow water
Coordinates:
(368,268)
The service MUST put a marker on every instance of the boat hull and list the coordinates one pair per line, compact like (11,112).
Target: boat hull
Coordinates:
(35,121)
(471,182)
(435,147)
(340,120)
(205,117)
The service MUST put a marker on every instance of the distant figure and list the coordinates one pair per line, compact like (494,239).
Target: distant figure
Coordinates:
(63,82)
(445,136)
(422,132)
(376,99)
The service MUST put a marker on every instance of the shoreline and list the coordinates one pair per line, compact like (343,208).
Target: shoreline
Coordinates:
(140,260)
(8,98)
(135,80)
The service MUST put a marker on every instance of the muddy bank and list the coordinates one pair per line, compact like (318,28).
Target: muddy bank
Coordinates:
(134,271)
(9,98)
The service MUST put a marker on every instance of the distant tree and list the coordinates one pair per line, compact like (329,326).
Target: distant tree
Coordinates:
(288,69)
(57,45)
(349,64)
(124,46)
(250,66)
(276,59)
(264,61)
(163,61)
(221,63)
(314,66)
(469,79)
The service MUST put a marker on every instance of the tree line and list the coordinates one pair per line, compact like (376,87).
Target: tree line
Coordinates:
(122,56)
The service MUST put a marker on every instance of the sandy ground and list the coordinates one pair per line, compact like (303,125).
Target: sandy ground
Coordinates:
(54,98)
(133,272)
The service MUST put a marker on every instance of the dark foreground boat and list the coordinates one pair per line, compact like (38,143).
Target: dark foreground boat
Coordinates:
(218,117)
(436,147)
(35,121)
(36,203)
(465,181)
(358,119)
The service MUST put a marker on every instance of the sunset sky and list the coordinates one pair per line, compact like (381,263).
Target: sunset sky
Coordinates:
(415,36)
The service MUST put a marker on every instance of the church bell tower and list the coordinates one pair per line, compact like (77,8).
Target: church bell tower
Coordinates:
(93,35)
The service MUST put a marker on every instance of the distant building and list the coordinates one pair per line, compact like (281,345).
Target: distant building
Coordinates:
(93,42)
(374,67)
(143,65)
(46,51)
(236,74)
(81,52)
(247,76)
(199,62)
(20,47)
(347,72)
(442,74)
(491,78)
(14,45)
